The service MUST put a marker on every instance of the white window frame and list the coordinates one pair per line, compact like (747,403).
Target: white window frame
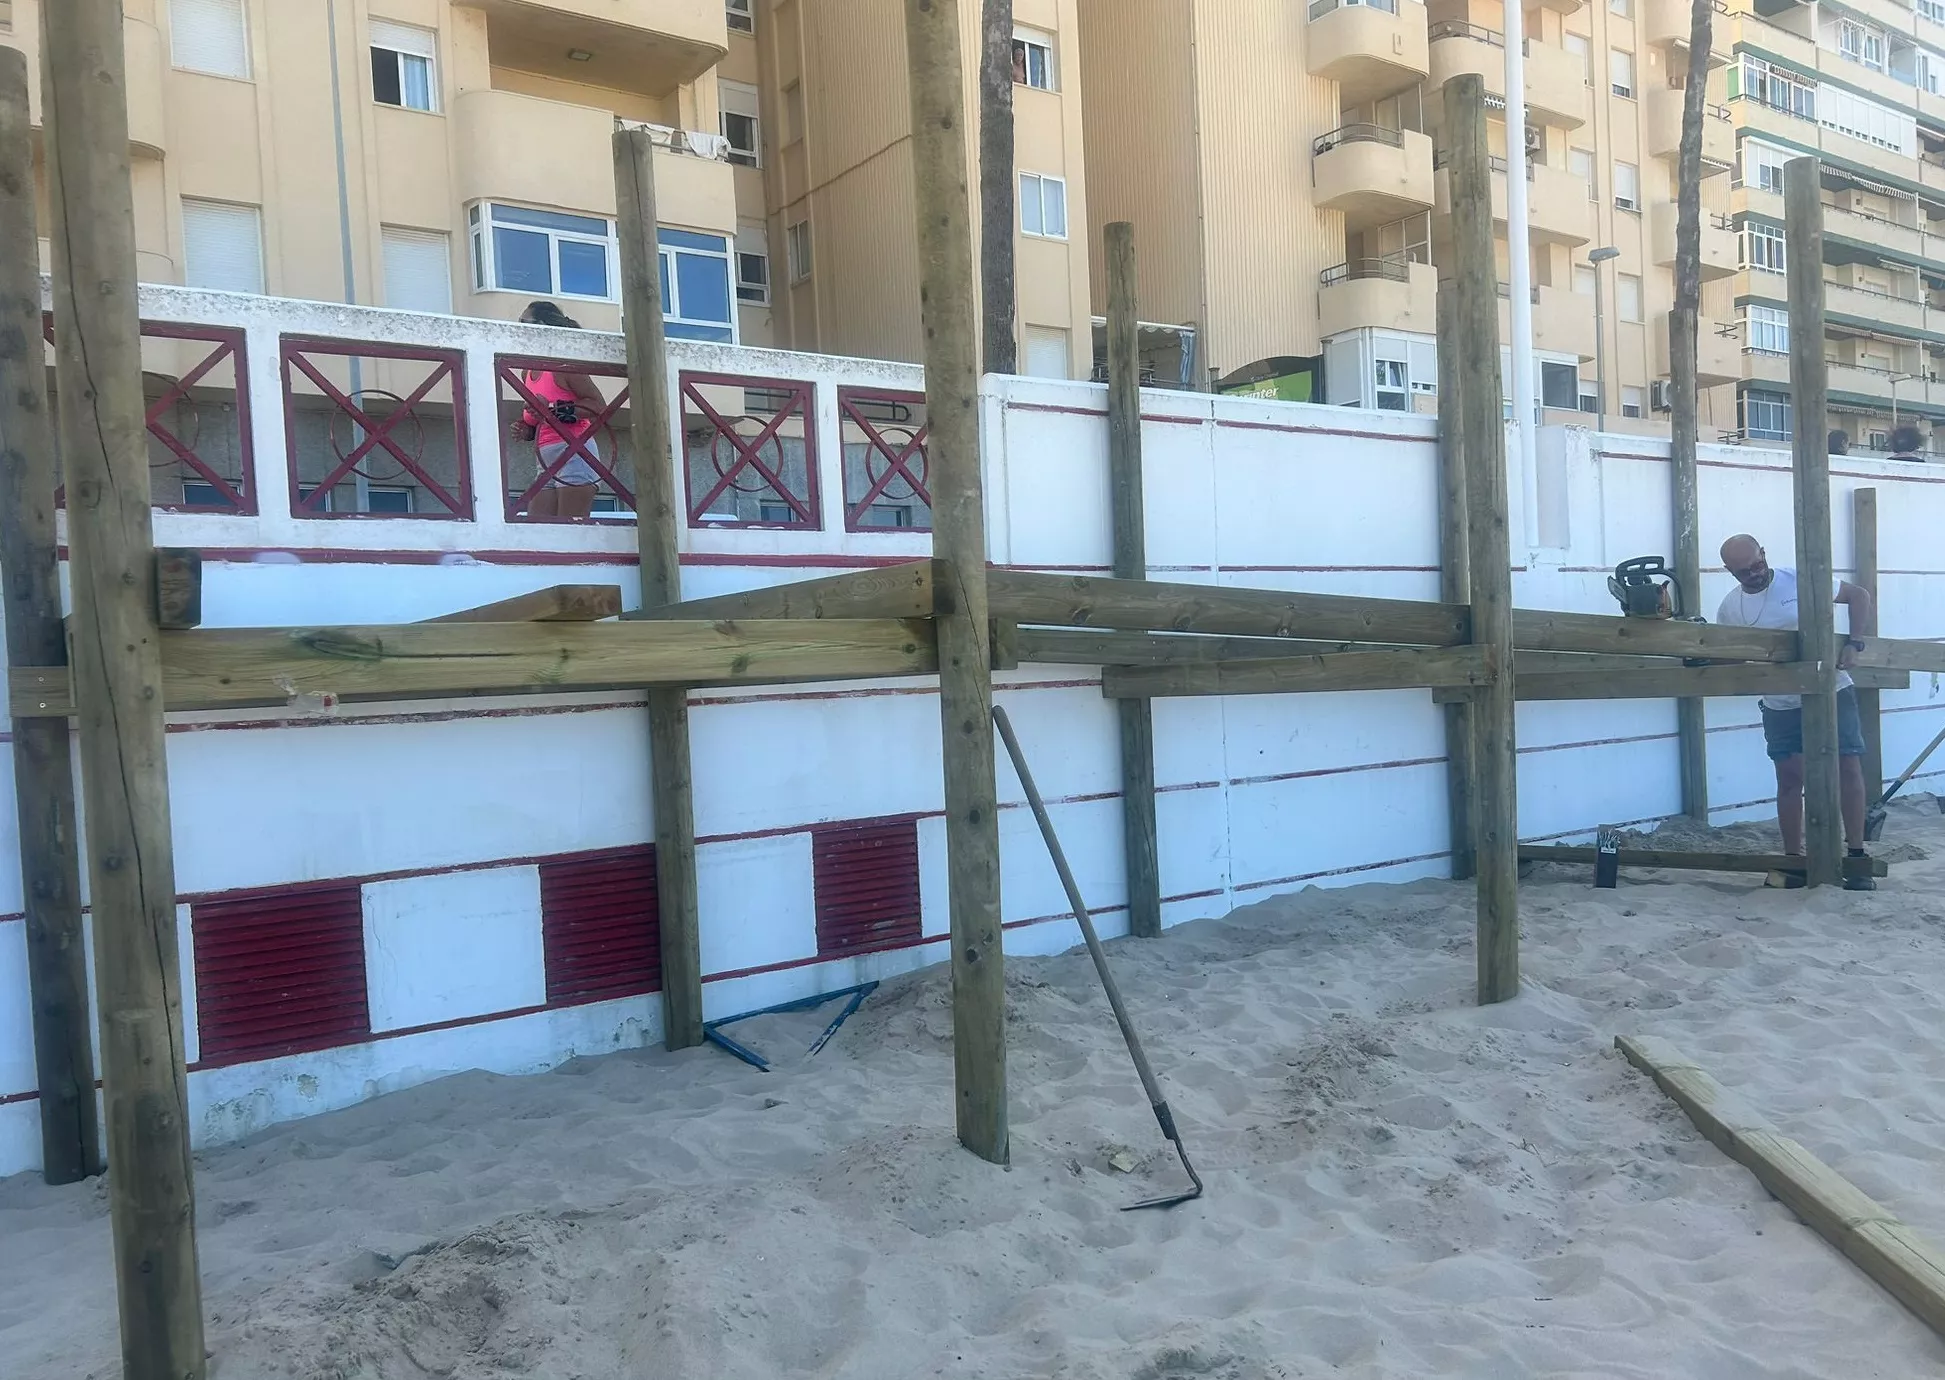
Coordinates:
(1033,187)
(1582,48)
(485,273)
(185,59)
(1623,89)
(739,100)
(1627,187)
(1766,330)
(740,16)
(1035,41)
(1766,161)
(402,234)
(672,312)
(1763,248)
(388,36)
(752,292)
(1622,8)
(1634,400)
(1780,403)
(1583,164)
(800,248)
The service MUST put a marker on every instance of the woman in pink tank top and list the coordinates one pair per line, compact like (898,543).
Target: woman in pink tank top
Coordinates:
(572,404)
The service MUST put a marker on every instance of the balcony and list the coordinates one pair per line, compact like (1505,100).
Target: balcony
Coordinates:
(1665,131)
(1897,387)
(1563,320)
(1718,351)
(1556,83)
(1557,206)
(645,47)
(1718,241)
(1383,293)
(1372,174)
(1370,50)
(1872,306)
(1665,23)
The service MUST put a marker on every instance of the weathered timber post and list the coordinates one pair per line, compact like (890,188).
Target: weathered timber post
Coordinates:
(1863,517)
(50,866)
(117,679)
(1454,576)
(656,506)
(1490,570)
(1131,563)
(945,243)
(1823,830)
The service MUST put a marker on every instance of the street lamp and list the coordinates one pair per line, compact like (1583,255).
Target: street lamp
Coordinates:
(1597,257)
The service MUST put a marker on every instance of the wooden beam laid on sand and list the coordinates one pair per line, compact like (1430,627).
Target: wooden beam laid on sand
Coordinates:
(1908,1266)
(892,591)
(1676,860)
(1404,669)
(230,668)
(555,604)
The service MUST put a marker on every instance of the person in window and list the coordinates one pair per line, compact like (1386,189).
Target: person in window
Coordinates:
(573,403)
(1839,443)
(1907,443)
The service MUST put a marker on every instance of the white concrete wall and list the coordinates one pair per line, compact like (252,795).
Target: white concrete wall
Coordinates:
(440,810)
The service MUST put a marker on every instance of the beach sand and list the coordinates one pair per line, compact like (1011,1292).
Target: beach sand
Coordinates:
(1400,1183)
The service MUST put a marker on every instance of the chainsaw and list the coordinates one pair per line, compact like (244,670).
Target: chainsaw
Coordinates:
(1646,588)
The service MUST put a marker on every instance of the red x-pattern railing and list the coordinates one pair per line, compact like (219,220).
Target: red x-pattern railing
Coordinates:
(512,371)
(446,365)
(745,458)
(236,496)
(898,447)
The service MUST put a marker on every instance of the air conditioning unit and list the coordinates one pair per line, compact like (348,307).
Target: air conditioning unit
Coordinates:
(1626,203)
(1660,396)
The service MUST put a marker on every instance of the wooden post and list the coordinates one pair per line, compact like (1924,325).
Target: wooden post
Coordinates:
(945,240)
(997,216)
(117,674)
(1131,563)
(1863,516)
(1454,577)
(50,868)
(1494,802)
(656,509)
(1816,606)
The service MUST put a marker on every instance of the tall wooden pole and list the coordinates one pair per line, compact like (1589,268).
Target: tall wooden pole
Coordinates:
(996,199)
(945,240)
(1863,517)
(656,507)
(50,866)
(1494,805)
(1454,576)
(1816,605)
(117,679)
(1131,563)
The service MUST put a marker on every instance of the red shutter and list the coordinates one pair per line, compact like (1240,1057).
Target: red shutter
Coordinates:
(279,971)
(600,925)
(867,887)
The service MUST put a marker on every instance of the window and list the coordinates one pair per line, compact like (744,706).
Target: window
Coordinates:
(1043,205)
(1933,10)
(1630,401)
(1762,166)
(1756,80)
(1762,247)
(222,246)
(1047,355)
(418,270)
(740,125)
(1590,398)
(752,266)
(546,253)
(695,286)
(1627,187)
(1766,330)
(1392,379)
(1860,44)
(1627,294)
(1849,113)
(1584,280)
(793,112)
(1624,8)
(1033,60)
(1560,385)
(796,243)
(1620,72)
(740,15)
(402,71)
(1580,162)
(209,36)
(1766,416)
(889,515)
(1578,45)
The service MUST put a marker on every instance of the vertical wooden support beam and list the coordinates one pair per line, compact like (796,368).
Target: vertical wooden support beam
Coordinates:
(117,676)
(1863,517)
(1692,731)
(1823,830)
(945,244)
(1454,576)
(50,867)
(656,510)
(1489,553)
(1131,563)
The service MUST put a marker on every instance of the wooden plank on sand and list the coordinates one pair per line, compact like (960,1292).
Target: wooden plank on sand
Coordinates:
(1688,861)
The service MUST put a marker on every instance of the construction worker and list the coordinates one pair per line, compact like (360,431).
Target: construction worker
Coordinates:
(1765,597)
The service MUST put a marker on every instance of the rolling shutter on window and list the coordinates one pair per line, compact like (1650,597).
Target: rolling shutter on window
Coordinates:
(209,36)
(279,971)
(867,887)
(600,925)
(403,38)
(418,270)
(222,246)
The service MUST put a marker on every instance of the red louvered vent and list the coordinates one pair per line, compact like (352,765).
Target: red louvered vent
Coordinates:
(279,971)
(600,925)
(867,887)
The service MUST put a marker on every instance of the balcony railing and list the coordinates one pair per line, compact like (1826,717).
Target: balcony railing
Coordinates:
(1320,8)
(1391,270)
(1443,158)
(1358,133)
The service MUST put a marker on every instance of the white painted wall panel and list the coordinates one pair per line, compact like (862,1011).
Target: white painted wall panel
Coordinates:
(453,945)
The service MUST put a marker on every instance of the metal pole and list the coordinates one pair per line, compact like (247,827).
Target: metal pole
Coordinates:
(361,484)
(1519,252)
(1600,355)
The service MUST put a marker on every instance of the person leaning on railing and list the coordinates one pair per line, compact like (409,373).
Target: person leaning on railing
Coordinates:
(573,403)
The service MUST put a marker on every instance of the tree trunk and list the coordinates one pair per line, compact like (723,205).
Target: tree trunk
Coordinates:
(996,187)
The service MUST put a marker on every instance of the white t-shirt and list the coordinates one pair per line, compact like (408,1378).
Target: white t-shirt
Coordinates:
(1775,607)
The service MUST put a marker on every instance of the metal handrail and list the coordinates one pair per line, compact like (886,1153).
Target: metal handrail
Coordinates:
(1442,158)
(1875,292)
(1459,28)
(1391,270)
(1320,8)
(1357,132)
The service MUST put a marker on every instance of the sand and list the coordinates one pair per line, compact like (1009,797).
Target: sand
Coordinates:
(1400,1183)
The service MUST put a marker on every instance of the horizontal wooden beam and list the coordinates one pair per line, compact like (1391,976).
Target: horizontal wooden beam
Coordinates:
(1875,678)
(1549,630)
(1676,860)
(1091,647)
(228,668)
(892,591)
(1789,678)
(555,604)
(1902,654)
(1401,669)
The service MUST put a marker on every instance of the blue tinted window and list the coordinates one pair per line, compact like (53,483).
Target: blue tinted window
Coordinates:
(663,261)
(550,220)
(702,284)
(520,261)
(689,239)
(682,330)
(584,268)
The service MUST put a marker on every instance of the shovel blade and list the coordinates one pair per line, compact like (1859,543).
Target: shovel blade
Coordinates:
(1874,825)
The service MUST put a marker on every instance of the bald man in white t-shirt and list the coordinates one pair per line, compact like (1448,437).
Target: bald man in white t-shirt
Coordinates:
(1765,597)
